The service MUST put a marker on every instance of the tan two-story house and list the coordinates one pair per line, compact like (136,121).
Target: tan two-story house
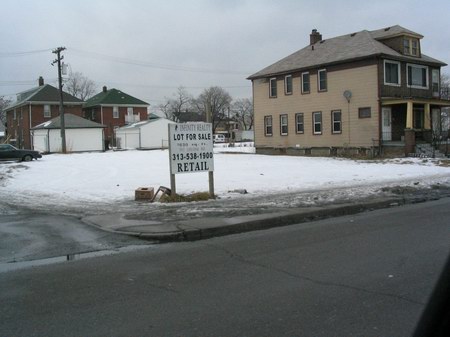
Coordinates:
(360,93)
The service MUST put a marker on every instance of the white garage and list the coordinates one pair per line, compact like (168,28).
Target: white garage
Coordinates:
(82,135)
(150,134)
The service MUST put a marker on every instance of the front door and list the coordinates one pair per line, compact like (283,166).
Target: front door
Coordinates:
(386,129)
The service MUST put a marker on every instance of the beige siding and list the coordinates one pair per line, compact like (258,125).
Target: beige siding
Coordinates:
(361,81)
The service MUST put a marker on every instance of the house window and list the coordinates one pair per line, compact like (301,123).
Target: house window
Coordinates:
(288,85)
(317,123)
(414,47)
(273,87)
(268,125)
(284,125)
(322,79)
(391,73)
(411,46)
(336,121)
(435,76)
(15,114)
(115,112)
(129,111)
(305,83)
(299,128)
(406,46)
(417,76)
(47,112)
(364,112)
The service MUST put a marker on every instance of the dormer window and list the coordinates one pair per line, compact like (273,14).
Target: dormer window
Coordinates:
(406,46)
(410,46)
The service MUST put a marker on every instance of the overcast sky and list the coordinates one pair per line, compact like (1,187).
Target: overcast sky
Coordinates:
(148,48)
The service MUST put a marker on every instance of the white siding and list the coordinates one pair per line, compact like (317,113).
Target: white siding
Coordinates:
(127,138)
(77,140)
(152,135)
(40,140)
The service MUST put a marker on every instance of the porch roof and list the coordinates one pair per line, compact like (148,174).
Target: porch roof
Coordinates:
(432,101)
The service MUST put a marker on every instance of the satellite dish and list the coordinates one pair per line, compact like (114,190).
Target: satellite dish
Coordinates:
(347,95)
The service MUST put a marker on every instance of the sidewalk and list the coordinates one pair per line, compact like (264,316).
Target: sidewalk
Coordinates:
(207,227)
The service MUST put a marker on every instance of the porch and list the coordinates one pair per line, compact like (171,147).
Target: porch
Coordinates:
(408,122)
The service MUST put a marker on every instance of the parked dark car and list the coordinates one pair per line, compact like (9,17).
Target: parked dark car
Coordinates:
(9,152)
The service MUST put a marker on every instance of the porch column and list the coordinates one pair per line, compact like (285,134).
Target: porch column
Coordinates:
(427,117)
(409,115)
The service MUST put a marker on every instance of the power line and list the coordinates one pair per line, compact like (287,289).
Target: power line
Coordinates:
(151,64)
(24,53)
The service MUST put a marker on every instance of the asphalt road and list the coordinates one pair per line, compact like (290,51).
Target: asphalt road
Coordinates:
(364,275)
(32,236)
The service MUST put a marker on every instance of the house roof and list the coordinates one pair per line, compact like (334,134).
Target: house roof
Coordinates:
(341,49)
(43,94)
(113,97)
(71,121)
(140,124)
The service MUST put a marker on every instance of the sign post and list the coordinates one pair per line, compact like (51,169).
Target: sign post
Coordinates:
(191,150)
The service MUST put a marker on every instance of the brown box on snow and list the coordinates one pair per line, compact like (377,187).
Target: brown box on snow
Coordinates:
(144,193)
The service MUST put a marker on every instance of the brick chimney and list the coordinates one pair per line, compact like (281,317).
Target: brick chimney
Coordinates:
(41,81)
(314,37)
(105,89)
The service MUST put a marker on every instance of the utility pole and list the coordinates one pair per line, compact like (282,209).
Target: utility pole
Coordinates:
(209,119)
(58,60)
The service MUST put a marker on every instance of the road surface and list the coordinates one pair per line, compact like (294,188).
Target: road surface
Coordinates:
(363,275)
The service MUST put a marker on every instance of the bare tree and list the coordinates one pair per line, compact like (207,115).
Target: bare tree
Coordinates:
(3,104)
(219,101)
(80,86)
(242,110)
(173,108)
(445,86)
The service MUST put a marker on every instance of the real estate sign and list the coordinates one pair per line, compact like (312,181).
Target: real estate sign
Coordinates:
(191,147)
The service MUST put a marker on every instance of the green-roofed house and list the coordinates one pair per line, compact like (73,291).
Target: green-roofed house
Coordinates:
(36,106)
(114,108)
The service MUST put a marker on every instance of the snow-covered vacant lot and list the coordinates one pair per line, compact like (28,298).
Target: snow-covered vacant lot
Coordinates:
(109,179)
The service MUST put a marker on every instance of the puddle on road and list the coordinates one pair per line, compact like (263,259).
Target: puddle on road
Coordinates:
(11,266)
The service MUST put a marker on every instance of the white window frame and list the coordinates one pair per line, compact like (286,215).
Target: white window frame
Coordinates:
(115,111)
(309,83)
(398,72)
(334,122)
(286,92)
(426,76)
(47,113)
(320,89)
(317,113)
(284,123)
(272,80)
(297,123)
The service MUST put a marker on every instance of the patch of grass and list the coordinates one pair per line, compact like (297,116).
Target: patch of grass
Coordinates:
(198,196)
(444,163)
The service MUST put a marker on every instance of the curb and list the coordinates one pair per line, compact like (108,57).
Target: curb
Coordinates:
(205,228)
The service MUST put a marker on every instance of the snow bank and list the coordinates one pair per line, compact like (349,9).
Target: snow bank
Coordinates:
(114,176)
